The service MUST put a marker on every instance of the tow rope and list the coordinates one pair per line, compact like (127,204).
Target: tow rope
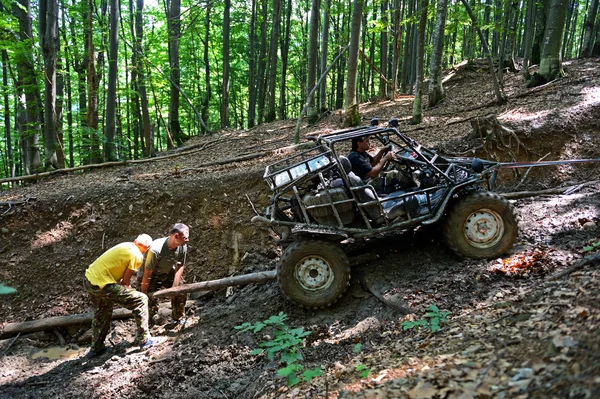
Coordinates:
(512,165)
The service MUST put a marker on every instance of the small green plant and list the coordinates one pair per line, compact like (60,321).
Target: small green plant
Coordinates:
(287,342)
(363,370)
(589,248)
(435,319)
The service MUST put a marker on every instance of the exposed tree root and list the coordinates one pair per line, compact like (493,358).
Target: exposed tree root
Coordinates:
(495,136)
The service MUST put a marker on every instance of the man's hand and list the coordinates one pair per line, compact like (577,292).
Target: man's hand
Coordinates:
(388,156)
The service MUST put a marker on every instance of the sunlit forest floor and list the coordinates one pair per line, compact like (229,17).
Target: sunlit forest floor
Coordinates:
(512,330)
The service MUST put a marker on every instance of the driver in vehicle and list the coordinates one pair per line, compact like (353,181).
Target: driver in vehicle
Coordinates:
(364,165)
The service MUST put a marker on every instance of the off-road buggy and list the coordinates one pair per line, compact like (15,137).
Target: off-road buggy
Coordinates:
(318,202)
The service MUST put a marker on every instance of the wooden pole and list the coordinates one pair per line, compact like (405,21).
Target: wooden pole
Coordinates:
(11,329)
(244,279)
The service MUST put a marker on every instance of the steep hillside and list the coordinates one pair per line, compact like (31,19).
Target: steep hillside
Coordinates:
(508,334)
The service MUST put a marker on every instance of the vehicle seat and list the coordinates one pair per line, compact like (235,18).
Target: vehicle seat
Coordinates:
(392,208)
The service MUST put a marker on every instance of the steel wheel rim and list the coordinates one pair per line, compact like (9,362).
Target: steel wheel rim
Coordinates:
(484,228)
(314,273)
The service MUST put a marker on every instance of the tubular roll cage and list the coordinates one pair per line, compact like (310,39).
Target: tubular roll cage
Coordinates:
(285,176)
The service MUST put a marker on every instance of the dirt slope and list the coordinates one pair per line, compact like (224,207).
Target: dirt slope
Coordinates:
(508,335)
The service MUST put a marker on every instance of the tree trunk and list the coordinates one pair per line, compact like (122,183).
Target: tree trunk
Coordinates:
(92,81)
(352,117)
(272,75)
(251,67)
(540,27)
(324,53)
(49,42)
(551,62)
(406,60)
(174,26)
(500,99)
(225,91)
(417,109)
(436,90)
(383,50)
(285,48)
(110,148)
(7,132)
(588,30)
(261,86)
(528,37)
(398,29)
(208,89)
(148,141)
(28,116)
(313,48)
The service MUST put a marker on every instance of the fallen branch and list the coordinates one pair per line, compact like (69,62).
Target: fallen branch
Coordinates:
(529,170)
(10,329)
(11,344)
(211,285)
(548,191)
(590,260)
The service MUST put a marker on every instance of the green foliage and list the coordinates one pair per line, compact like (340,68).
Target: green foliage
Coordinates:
(5,290)
(433,319)
(589,248)
(362,370)
(286,342)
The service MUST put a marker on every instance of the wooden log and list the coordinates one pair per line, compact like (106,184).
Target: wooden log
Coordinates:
(10,329)
(211,285)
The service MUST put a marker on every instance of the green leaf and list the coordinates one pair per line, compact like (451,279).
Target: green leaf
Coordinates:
(256,352)
(272,351)
(258,326)
(244,326)
(292,380)
(291,357)
(363,370)
(435,324)
(5,290)
(357,347)
(310,374)
(434,308)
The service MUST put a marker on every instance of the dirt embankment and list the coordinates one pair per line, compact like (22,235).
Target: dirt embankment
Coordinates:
(508,335)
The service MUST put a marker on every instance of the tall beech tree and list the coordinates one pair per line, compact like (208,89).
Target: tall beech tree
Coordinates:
(436,90)
(417,109)
(551,62)
(352,116)
(313,49)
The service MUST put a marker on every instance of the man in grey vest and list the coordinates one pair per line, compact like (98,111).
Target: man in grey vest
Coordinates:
(163,268)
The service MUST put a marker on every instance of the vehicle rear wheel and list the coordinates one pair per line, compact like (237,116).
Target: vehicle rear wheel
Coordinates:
(482,225)
(313,274)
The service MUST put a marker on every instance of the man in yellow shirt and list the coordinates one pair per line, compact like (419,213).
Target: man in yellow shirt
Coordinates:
(107,281)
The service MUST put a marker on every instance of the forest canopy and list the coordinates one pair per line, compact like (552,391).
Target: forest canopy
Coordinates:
(96,81)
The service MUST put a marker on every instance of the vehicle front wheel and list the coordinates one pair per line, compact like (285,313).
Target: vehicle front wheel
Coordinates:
(313,274)
(482,225)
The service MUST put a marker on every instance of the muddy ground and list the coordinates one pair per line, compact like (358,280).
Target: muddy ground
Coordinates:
(512,332)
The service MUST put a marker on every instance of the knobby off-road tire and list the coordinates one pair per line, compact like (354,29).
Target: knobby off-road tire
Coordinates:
(481,225)
(313,274)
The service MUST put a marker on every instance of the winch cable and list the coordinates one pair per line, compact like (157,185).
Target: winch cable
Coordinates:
(513,165)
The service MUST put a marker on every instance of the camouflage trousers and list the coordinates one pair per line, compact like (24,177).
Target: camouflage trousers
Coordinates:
(103,300)
(177,301)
